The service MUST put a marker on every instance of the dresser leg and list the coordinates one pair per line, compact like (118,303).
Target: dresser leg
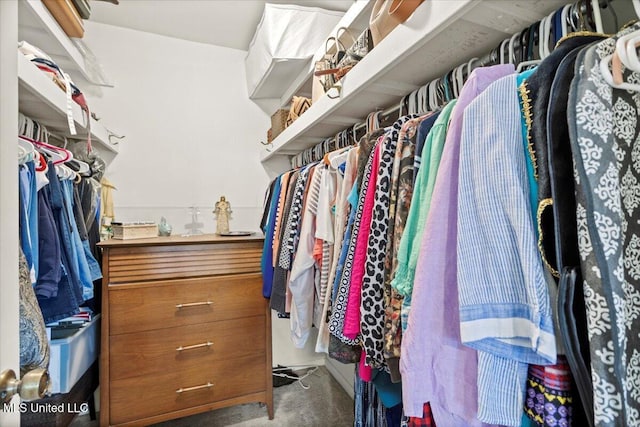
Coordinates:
(270,410)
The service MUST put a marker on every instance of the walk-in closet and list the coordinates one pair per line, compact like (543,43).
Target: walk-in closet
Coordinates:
(324,213)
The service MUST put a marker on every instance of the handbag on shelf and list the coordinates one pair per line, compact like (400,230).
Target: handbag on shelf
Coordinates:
(299,105)
(324,74)
(388,14)
(333,66)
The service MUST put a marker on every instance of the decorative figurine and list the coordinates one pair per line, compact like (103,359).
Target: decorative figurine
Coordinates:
(223,213)
(164,228)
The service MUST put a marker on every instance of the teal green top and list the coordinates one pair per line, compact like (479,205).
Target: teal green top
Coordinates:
(525,117)
(420,203)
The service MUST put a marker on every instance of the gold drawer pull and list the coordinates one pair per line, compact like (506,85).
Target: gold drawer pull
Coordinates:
(191,347)
(193,304)
(198,387)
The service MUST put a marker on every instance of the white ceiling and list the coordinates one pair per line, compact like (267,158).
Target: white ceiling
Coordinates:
(229,23)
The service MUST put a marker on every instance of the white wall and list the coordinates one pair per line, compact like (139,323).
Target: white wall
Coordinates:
(192,134)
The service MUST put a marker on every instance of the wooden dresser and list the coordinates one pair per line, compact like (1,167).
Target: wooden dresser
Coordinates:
(185,328)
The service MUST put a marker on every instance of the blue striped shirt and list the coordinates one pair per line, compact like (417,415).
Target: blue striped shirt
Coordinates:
(505,311)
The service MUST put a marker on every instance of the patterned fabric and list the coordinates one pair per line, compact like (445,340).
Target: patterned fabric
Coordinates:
(607,162)
(549,398)
(352,316)
(345,178)
(505,310)
(336,324)
(430,340)
(408,251)
(281,275)
(34,345)
(400,199)
(294,214)
(372,307)
(426,420)
(293,220)
(304,270)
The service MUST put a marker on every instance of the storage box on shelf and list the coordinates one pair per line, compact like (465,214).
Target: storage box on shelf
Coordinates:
(356,19)
(282,46)
(440,35)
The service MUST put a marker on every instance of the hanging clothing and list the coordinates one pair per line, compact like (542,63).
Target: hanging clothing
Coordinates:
(28,214)
(304,273)
(605,160)
(106,206)
(571,301)
(504,303)
(351,326)
(50,266)
(283,260)
(373,302)
(401,193)
(266,265)
(345,175)
(69,295)
(430,342)
(420,203)
(336,326)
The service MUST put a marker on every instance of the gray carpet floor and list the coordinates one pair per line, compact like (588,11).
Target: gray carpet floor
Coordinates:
(323,404)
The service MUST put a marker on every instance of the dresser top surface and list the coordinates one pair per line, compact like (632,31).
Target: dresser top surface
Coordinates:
(181,240)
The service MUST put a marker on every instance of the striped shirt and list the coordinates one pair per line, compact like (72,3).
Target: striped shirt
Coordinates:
(505,311)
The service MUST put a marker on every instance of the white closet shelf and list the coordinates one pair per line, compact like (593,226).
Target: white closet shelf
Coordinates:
(43,101)
(357,20)
(440,35)
(39,27)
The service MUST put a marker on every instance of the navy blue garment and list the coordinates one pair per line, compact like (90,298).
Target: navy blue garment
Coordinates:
(69,297)
(50,260)
(423,131)
(266,264)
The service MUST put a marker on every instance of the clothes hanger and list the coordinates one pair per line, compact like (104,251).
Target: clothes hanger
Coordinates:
(503,52)
(565,20)
(27,150)
(460,78)
(423,103)
(413,102)
(626,50)
(632,53)
(546,31)
(608,77)
(60,154)
(593,6)
(470,66)
(511,48)
(433,100)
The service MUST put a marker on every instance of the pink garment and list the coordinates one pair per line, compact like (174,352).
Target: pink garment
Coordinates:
(365,371)
(352,314)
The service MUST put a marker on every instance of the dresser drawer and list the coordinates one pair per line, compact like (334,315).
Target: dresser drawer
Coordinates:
(137,264)
(165,304)
(141,397)
(185,347)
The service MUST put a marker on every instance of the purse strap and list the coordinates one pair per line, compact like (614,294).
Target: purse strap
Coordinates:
(345,30)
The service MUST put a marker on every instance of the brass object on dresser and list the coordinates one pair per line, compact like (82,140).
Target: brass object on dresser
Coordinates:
(185,328)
